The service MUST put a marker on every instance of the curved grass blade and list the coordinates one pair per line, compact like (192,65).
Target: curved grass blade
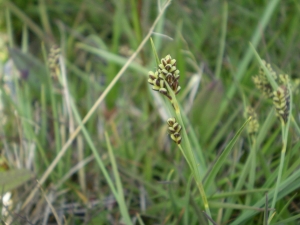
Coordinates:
(12,179)
(221,160)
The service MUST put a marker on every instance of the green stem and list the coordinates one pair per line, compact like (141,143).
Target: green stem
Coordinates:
(191,159)
(182,151)
(283,150)
(188,152)
(252,168)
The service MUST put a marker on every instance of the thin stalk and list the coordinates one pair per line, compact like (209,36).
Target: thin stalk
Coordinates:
(140,219)
(282,157)
(120,197)
(266,214)
(182,151)
(222,39)
(189,154)
(44,17)
(285,130)
(55,113)
(252,169)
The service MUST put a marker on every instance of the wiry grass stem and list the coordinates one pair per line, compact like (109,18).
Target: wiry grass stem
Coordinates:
(189,154)
(285,124)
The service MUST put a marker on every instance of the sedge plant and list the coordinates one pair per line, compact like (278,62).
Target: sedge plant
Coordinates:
(278,88)
(165,80)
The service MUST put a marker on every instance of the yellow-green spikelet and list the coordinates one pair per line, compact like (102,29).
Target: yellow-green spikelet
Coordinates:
(253,124)
(281,100)
(53,61)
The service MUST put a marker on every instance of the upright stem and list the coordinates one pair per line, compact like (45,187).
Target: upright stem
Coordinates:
(283,150)
(191,159)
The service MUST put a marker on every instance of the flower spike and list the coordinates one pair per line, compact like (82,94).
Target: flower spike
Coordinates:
(174,130)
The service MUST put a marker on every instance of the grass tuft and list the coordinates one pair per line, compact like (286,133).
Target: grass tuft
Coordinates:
(89,136)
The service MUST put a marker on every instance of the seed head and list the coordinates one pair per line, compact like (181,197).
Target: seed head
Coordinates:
(158,83)
(270,69)
(253,124)
(166,72)
(261,81)
(281,100)
(284,79)
(174,130)
(53,61)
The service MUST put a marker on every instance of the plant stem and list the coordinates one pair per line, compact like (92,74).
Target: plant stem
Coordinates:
(283,150)
(191,159)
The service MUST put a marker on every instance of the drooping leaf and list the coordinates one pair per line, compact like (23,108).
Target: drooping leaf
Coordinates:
(12,179)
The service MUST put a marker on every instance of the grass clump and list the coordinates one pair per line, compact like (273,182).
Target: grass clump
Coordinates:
(166,81)
(84,140)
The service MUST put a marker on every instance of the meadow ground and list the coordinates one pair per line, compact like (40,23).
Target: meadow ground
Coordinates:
(90,136)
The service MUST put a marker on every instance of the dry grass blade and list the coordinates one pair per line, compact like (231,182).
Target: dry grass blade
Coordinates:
(50,205)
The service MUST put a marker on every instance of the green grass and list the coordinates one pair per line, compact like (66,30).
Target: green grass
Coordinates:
(96,137)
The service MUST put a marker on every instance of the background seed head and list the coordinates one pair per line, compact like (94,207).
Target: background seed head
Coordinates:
(53,61)
(261,81)
(253,125)
(281,100)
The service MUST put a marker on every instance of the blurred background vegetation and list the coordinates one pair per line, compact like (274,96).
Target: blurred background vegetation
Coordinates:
(210,41)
